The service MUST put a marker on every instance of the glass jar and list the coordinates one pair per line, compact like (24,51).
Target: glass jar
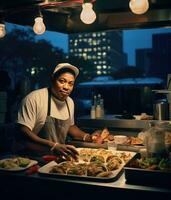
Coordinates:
(155,141)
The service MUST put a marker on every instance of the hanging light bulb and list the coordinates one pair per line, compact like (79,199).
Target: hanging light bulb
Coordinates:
(139,6)
(39,27)
(2,30)
(87,16)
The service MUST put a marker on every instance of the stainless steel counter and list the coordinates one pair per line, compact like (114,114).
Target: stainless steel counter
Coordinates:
(113,124)
(126,126)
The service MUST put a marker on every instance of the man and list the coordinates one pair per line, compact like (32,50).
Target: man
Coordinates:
(46,116)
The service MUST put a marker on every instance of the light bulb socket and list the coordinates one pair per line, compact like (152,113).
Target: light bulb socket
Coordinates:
(86,1)
(38,12)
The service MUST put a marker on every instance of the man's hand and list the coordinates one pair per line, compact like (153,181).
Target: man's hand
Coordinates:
(87,138)
(65,150)
(100,136)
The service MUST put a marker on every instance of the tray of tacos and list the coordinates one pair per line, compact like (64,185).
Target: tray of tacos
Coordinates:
(92,165)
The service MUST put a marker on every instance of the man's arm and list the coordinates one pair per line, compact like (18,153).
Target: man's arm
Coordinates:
(25,133)
(78,134)
(35,143)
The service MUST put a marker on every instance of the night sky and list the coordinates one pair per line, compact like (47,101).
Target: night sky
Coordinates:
(132,39)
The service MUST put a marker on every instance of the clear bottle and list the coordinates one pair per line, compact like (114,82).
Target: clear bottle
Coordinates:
(93,112)
(98,107)
(98,99)
(93,107)
(94,101)
(98,111)
(102,108)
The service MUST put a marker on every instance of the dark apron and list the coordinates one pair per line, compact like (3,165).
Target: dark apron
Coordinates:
(55,129)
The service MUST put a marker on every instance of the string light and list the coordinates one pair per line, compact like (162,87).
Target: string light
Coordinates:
(39,27)
(2,30)
(87,16)
(139,6)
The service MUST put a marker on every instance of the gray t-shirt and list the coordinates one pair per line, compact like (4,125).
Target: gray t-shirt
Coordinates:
(33,110)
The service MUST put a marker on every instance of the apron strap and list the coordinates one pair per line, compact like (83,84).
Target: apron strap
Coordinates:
(68,109)
(49,102)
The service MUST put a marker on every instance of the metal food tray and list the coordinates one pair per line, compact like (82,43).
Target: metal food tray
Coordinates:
(145,176)
(44,170)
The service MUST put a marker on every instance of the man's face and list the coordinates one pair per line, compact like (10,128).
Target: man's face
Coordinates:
(63,85)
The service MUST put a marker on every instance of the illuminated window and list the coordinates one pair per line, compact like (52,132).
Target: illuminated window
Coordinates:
(33,71)
(98,67)
(85,56)
(94,42)
(99,72)
(104,66)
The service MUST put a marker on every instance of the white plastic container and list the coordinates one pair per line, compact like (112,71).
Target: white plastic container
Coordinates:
(120,139)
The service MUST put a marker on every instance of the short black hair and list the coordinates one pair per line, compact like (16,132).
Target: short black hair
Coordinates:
(62,71)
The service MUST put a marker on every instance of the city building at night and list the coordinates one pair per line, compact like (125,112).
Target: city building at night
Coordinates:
(104,49)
